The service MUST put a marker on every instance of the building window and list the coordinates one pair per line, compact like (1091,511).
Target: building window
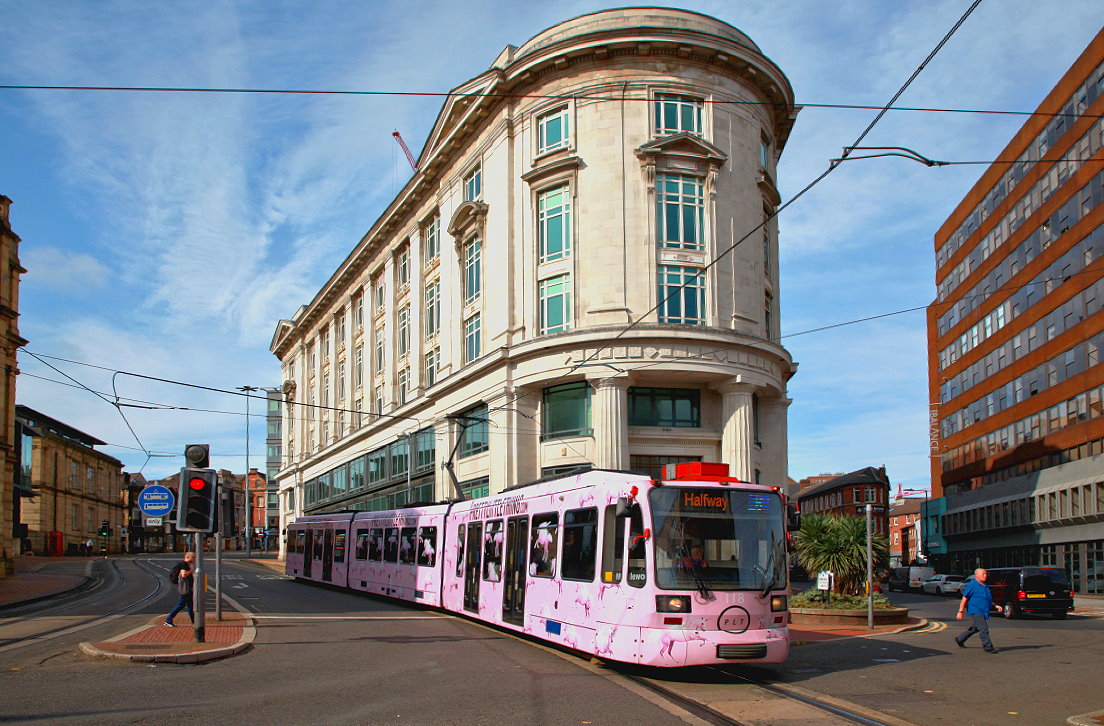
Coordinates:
(680,212)
(432,361)
(555,304)
(378,292)
(472,343)
(474,436)
(553,130)
(473,185)
(473,260)
(681,292)
(432,309)
(671,407)
(554,224)
(654,466)
(339,328)
(341,382)
(432,233)
(358,311)
(404,385)
(566,411)
(676,114)
(768,316)
(766,250)
(404,330)
(404,266)
(378,400)
(379,351)
(358,371)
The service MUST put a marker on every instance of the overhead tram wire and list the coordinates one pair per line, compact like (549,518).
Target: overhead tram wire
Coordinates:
(538,96)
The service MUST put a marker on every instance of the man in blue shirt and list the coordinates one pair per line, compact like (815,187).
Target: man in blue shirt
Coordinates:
(976,602)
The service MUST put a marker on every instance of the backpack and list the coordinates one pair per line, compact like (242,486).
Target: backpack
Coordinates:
(174,575)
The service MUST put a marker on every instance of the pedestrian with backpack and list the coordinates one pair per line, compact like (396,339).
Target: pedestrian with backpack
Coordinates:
(181,576)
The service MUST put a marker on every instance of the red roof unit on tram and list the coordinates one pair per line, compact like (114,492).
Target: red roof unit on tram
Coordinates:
(697,471)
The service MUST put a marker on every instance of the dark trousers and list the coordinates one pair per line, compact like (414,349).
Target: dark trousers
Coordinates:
(185,603)
(980,625)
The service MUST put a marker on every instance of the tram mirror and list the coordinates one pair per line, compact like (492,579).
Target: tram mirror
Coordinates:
(625,506)
(793,517)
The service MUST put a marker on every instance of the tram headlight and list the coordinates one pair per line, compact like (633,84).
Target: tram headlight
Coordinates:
(672,604)
(778,604)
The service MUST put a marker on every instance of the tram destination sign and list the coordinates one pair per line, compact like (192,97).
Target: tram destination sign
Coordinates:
(156,500)
(703,500)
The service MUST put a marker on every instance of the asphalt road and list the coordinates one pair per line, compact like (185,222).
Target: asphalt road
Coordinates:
(328,657)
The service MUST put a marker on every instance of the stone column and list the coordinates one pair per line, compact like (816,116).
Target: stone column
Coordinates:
(737,435)
(610,420)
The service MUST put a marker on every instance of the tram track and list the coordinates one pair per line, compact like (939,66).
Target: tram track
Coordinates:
(711,715)
(91,596)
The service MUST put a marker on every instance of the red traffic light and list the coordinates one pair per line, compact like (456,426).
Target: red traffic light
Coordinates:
(197,483)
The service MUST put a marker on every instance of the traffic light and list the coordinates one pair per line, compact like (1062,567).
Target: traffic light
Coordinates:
(196,510)
(105,529)
(197,456)
(228,514)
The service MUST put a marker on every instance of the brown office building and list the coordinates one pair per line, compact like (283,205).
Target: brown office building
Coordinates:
(1014,342)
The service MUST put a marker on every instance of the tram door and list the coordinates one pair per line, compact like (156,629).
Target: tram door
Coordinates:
(513,586)
(327,555)
(472,566)
(308,551)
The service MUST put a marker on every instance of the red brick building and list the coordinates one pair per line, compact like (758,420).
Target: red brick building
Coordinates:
(848,495)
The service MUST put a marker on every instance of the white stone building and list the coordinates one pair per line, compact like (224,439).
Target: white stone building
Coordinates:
(578,270)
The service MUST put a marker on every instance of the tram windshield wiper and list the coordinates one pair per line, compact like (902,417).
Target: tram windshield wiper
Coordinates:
(770,573)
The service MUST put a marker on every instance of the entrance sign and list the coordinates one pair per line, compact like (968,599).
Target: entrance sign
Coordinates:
(156,500)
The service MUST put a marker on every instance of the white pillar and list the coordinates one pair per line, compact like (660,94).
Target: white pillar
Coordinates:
(738,435)
(610,419)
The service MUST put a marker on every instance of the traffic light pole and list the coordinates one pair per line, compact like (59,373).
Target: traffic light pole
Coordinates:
(198,595)
(218,576)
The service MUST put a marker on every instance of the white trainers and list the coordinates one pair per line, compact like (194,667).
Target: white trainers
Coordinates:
(168,624)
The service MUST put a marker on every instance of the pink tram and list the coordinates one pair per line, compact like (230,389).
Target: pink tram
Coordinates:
(682,572)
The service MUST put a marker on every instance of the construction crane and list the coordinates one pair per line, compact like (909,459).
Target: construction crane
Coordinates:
(409,156)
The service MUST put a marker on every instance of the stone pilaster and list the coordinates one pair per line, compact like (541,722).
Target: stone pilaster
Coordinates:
(738,434)
(610,419)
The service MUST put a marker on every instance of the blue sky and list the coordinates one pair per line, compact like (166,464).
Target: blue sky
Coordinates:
(166,233)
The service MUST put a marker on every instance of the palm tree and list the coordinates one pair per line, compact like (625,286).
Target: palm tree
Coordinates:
(838,544)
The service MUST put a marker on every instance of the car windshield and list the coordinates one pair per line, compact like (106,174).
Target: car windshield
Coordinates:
(719,539)
(955,578)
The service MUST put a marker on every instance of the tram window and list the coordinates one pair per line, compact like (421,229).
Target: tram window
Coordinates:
(579,544)
(406,545)
(375,544)
(339,546)
(543,544)
(300,541)
(318,545)
(638,568)
(427,546)
(492,551)
(391,544)
(361,551)
(460,532)
(613,546)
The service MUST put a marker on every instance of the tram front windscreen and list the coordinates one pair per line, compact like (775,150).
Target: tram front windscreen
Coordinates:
(718,539)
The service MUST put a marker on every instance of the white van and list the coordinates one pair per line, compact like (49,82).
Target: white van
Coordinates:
(909,578)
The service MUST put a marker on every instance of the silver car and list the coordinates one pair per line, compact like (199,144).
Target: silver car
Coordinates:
(943,584)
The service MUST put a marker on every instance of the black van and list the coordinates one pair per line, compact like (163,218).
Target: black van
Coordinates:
(1018,590)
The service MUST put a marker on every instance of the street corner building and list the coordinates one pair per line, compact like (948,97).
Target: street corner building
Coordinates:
(582,272)
(1014,335)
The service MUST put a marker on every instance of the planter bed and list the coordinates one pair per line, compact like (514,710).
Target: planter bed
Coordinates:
(827,616)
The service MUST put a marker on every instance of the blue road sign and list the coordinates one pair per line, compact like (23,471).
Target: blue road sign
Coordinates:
(156,500)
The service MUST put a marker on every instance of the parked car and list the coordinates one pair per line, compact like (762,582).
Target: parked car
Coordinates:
(943,584)
(909,578)
(1018,590)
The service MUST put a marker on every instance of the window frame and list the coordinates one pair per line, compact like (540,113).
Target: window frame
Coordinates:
(560,113)
(666,102)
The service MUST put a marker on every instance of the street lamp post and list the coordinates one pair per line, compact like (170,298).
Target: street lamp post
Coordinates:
(248,525)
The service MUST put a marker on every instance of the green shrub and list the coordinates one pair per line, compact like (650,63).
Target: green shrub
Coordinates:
(815,599)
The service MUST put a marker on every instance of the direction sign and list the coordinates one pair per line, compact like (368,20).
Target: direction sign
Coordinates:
(156,500)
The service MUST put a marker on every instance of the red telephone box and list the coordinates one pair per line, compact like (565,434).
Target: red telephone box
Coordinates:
(55,543)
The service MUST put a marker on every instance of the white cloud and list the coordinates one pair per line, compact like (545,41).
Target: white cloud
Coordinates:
(74,273)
